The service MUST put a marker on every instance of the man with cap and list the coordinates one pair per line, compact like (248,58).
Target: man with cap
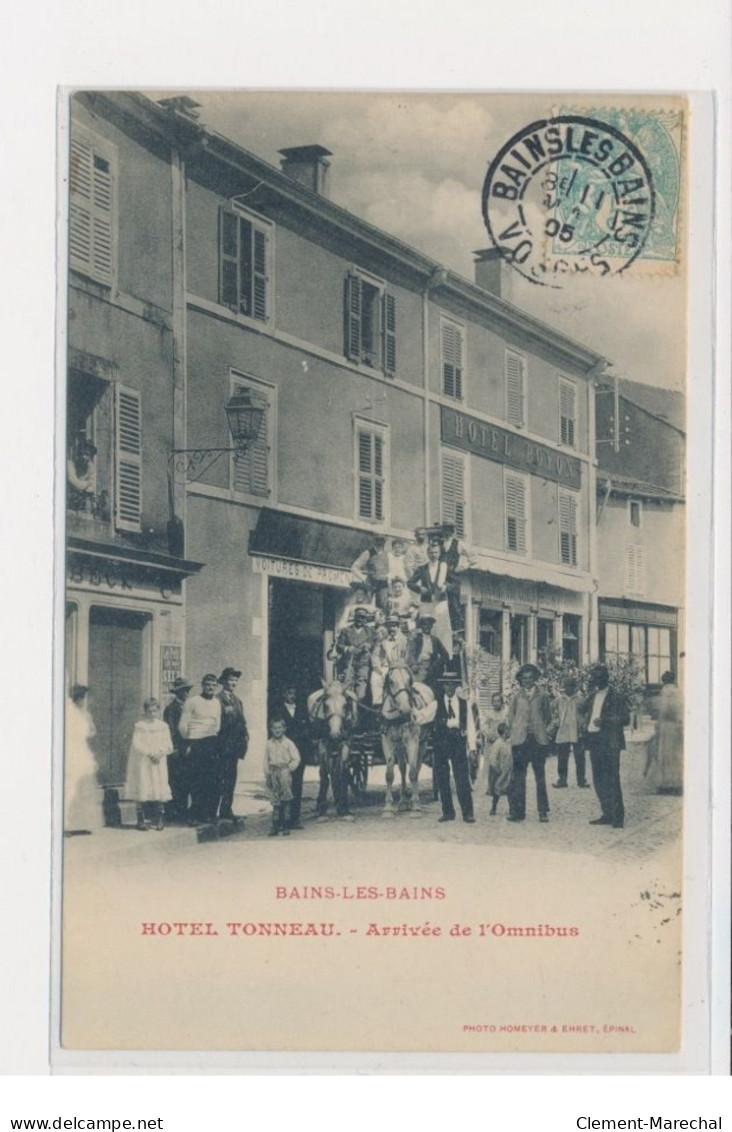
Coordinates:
(178,770)
(430,583)
(292,708)
(351,650)
(391,650)
(529,718)
(416,553)
(456,557)
(200,723)
(450,747)
(606,717)
(233,740)
(426,656)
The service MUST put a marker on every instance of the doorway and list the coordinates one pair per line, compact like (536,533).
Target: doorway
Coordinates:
(301,621)
(116,690)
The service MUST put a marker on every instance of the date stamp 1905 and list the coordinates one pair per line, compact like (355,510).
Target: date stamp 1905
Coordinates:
(584,194)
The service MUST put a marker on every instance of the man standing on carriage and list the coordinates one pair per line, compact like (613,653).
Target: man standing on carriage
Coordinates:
(426,656)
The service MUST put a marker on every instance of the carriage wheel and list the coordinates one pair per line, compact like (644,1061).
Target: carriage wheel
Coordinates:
(358,773)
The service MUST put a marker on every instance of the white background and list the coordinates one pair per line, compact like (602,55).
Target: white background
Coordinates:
(462,44)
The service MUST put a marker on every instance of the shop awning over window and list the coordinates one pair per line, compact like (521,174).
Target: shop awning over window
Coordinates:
(278,535)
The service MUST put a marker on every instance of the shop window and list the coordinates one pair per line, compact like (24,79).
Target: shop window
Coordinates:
(658,653)
(635,512)
(545,639)
(245,263)
(452,343)
(651,646)
(252,471)
(371,460)
(454,494)
(92,206)
(571,637)
(516,488)
(519,628)
(515,373)
(370,323)
(568,528)
(567,412)
(127,459)
(489,631)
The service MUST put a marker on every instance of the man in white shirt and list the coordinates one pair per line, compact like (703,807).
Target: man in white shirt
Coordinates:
(200,723)
(450,749)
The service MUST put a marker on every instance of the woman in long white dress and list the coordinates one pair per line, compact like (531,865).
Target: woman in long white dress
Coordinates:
(670,737)
(83,810)
(147,766)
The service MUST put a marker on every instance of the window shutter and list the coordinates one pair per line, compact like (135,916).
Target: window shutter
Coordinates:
(371,474)
(515,378)
(353,317)
(128,458)
(568,528)
(228,259)
(259,301)
(567,399)
(452,360)
(389,321)
(635,575)
(453,493)
(515,514)
(91,210)
(251,470)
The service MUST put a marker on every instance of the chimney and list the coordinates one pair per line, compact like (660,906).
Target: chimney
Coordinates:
(307,164)
(492,273)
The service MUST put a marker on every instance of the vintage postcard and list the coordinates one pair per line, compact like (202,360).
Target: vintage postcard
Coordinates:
(375,591)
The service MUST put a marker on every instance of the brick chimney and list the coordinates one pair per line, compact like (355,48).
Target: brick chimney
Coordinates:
(492,273)
(307,164)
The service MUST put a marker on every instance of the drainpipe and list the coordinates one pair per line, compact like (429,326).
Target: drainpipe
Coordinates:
(437,279)
(593,631)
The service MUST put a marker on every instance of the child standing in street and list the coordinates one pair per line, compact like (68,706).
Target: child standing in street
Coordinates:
(281,758)
(567,737)
(489,726)
(500,765)
(147,766)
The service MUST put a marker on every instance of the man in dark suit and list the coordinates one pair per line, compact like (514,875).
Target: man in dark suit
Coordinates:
(529,718)
(294,711)
(605,717)
(233,740)
(178,769)
(426,656)
(430,580)
(450,743)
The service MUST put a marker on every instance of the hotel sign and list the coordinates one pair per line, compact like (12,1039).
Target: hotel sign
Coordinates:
(293,571)
(472,435)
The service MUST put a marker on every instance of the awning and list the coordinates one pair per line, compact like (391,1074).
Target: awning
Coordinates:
(278,535)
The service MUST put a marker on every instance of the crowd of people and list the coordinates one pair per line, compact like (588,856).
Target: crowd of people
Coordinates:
(403,610)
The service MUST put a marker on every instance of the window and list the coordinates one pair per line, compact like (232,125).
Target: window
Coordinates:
(567,412)
(652,646)
(451,351)
(515,367)
(370,323)
(568,528)
(635,512)
(516,488)
(92,206)
(128,459)
(371,471)
(245,255)
(454,495)
(252,472)
(635,569)
(658,654)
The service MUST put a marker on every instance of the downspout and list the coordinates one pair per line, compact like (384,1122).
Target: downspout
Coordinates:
(437,279)
(593,629)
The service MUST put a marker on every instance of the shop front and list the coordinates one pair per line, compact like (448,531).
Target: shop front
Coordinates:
(644,631)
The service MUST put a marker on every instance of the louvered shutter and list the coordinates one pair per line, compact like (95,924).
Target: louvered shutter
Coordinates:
(352,314)
(452,360)
(365,475)
(128,458)
(251,470)
(453,493)
(389,321)
(378,476)
(568,528)
(567,399)
(229,259)
(515,514)
(91,210)
(259,281)
(515,378)
(635,569)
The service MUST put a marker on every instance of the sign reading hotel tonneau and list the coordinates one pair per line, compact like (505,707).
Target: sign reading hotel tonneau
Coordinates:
(472,435)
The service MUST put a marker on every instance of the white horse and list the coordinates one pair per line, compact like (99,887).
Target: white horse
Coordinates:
(408,707)
(332,713)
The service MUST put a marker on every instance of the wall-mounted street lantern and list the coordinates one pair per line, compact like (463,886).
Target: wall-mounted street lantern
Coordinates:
(244,414)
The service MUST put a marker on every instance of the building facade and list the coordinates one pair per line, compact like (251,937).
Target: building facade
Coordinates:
(641,528)
(396,394)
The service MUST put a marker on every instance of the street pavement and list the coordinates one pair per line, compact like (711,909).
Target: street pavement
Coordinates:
(653,822)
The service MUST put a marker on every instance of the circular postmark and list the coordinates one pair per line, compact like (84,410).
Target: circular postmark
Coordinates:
(569,195)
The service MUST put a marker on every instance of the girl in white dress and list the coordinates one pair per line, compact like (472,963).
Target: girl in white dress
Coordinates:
(82,795)
(147,767)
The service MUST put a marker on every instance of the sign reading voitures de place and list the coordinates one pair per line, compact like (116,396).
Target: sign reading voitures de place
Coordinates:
(472,435)
(569,195)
